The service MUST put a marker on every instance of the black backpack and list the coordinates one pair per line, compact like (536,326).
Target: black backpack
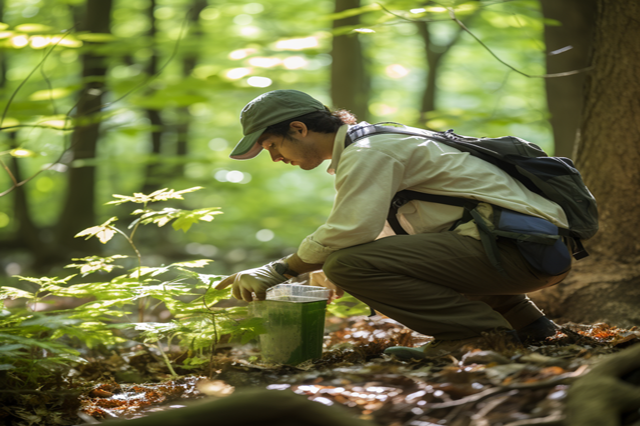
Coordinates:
(555,178)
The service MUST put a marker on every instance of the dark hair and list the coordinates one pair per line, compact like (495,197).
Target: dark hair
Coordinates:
(317,121)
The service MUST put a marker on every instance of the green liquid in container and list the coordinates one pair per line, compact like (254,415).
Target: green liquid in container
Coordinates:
(294,321)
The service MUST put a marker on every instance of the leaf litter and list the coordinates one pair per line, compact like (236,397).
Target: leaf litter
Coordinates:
(501,386)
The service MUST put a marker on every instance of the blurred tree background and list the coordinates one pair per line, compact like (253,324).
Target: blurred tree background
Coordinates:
(103,97)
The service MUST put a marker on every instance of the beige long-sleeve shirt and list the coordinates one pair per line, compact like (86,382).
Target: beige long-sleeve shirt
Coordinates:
(370,171)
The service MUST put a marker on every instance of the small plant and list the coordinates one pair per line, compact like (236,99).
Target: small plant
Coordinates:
(37,344)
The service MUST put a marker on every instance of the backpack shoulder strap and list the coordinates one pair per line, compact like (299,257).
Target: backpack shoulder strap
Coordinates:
(364,130)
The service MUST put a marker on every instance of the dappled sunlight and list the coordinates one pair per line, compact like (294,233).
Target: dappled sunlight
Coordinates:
(232,176)
(257,81)
(265,235)
(297,43)
(264,62)
(237,73)
(242,53)
(396,71)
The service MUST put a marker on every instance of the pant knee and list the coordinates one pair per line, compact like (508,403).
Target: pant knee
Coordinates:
(337,267)
(332,267)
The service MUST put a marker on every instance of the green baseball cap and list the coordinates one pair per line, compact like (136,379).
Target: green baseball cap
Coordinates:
(266,110)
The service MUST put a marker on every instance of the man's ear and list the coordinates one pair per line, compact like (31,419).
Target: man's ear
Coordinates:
(299,128)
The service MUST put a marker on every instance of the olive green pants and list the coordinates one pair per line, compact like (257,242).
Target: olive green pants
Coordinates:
(440,284)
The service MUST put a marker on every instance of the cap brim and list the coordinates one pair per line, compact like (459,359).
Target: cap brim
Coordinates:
(248,146)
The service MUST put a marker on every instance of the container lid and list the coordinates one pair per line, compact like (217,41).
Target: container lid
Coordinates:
(297,293)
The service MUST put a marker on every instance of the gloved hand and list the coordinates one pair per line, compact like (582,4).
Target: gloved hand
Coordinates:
(256,280)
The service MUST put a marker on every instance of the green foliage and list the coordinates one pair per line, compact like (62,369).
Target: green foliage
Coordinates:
(348,306)
(182,220)
(160,195)
(39,342)
(96,264)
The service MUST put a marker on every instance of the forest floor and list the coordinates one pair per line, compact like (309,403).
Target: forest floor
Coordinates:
(502,386)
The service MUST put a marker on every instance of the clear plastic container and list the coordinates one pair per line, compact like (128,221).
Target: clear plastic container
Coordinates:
(294,321)
(297,293)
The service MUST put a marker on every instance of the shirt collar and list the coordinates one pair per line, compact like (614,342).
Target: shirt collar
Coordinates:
(338,147)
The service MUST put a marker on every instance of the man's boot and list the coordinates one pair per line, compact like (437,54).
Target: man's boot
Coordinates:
(538,331)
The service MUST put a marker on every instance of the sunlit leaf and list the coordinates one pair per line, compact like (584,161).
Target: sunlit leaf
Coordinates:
(213,296)
(159,195)
(200,263)
(183,218)
(145,270)
(13,293)
(104,232)
(348,306)
(208,278)
(186,219)
(95,264)
(45,282)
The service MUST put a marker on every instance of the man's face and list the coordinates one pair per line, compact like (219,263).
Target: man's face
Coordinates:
(297,151)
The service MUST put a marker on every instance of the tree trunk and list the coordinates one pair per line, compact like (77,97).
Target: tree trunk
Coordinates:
(565,94)
(154,175)
(79,206)
(434,54)
(349,78)
(608,150)
(434,57)
(606,286)
(189,62)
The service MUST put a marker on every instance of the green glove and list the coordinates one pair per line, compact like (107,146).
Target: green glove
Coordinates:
(257,281)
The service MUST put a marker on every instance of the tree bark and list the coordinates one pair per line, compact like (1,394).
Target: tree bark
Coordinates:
(606,286)
(565,94)
(349,79)
(79,212)
(608,151)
